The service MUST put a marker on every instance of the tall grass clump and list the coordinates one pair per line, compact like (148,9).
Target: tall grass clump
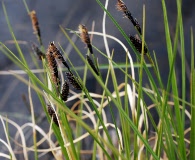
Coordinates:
(60,83)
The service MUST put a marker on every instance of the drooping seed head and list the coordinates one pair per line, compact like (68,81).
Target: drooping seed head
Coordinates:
(74,81)
(52,114)
(84,34)
(89,60)
(56,53)
(65,91)
(85,37)
(37,51)
(122,7)
(138,44)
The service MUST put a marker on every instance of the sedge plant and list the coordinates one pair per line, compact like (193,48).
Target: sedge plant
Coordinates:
(61,84)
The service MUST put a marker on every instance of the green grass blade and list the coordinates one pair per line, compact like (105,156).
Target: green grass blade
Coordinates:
(140,93)
(127,129)
(13,36)
(183,70)
(192,89)
(26,6)
(171,78)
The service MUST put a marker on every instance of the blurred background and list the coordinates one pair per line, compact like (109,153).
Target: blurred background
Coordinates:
(69,14)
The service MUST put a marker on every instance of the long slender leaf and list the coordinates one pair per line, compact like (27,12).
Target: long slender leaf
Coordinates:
(192,97)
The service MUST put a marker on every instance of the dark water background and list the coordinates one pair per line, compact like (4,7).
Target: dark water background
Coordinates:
(69,14)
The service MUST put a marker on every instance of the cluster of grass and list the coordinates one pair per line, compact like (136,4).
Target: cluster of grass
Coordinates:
(133,138)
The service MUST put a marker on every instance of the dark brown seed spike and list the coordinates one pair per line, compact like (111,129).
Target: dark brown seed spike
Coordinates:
(136,24)
(65,91)
(74,81)
(56,53)
(89,60)
(122,7)
(85,37)
(52,113)
(37,51)
(52,64)
(138,44)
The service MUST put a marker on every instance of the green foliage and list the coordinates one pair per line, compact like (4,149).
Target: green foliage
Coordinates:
(133,139)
